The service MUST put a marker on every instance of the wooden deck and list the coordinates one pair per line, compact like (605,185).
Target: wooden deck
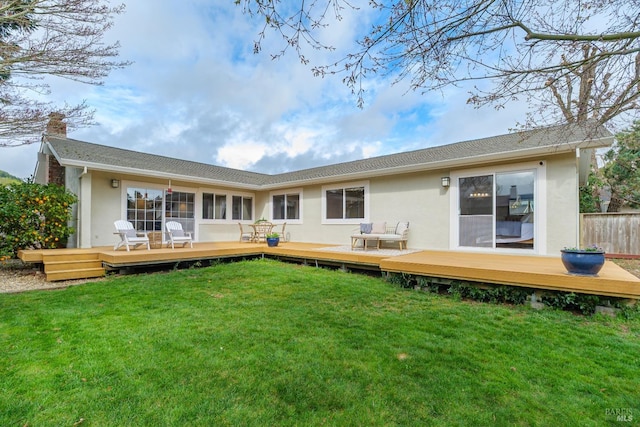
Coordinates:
(528,271)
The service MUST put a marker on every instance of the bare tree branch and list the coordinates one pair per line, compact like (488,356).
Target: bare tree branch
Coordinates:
(60,38)
(579,56)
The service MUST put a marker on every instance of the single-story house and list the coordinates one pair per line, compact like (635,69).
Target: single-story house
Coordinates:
(513,193)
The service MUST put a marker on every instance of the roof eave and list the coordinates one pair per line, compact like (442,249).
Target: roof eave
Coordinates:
(157,174)
(449,164)
(418,167)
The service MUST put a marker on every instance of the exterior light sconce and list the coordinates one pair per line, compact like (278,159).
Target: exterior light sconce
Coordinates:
(115,183)
(445,181)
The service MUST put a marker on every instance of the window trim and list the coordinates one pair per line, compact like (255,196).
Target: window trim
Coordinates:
(201,193)
(230,196)
(343,186)
(299,192)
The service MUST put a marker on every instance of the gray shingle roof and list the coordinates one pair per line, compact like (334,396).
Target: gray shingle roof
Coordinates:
(71,152)
(514,146)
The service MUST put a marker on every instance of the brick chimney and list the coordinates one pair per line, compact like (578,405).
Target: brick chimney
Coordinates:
(56,126)
(56,172)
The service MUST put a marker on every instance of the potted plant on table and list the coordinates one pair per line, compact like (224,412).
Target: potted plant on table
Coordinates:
(273,239)
(583,262)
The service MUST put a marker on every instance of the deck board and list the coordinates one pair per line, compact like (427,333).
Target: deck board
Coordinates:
(528,271)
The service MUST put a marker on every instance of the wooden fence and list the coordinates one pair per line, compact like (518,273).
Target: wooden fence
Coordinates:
(616,233)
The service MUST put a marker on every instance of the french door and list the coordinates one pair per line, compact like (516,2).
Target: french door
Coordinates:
(180,207)
(148,209)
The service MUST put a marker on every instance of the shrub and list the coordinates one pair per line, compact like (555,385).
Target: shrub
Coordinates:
(483,292)
(583,303)
(34,216)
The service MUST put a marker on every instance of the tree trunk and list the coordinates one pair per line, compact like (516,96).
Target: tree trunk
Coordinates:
(615,204)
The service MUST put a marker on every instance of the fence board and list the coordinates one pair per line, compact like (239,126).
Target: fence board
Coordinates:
(616,233)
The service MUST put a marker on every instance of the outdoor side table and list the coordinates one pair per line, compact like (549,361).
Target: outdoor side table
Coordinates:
(155,239)
(365,238)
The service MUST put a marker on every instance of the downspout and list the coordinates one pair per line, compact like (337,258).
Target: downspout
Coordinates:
(577,244)
(79,210)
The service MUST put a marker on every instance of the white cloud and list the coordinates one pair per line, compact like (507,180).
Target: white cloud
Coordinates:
(241,154)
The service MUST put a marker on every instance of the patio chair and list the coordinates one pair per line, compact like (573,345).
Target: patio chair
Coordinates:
(245,236)
(129,236)
(178,235)
(283,235)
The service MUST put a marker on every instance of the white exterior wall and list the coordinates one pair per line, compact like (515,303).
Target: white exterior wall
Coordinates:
(108,204)
(563,204)
(105,209)
(417,197)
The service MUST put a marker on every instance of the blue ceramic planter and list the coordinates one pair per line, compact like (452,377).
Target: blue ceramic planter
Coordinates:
(582,263)
(273,241)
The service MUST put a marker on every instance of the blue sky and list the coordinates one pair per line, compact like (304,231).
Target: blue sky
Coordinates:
(197,91)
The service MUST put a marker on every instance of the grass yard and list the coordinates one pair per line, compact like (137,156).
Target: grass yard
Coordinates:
(261,343)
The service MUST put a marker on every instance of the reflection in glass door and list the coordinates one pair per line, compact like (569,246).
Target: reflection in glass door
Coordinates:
(180,207)
(144,208)
(515,210)
(497,210)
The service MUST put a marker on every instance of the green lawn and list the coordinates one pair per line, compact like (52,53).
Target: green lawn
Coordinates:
(263,343)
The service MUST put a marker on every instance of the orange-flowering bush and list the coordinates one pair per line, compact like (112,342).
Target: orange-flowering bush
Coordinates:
(34,216)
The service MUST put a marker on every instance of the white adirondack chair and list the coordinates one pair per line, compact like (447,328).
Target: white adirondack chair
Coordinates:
(129,236)
(178,235)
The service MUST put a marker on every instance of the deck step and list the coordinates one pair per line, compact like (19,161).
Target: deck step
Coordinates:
(81,273)
(73,265)
(53,266)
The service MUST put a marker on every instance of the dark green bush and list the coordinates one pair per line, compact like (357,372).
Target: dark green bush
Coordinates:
(585,304)
(461,289)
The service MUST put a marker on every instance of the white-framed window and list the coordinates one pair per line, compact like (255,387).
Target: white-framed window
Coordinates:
(241,208)
(214,206)
(501,209)
(345,203)
(286,206)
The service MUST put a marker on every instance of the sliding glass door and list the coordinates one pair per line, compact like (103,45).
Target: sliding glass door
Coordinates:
(497,210)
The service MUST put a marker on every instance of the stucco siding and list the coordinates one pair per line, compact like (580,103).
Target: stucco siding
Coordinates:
(418,198)
(106,207)
(562,203)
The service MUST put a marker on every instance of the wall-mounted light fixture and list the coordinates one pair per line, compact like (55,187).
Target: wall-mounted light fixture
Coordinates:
(115,183)
(446,181)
